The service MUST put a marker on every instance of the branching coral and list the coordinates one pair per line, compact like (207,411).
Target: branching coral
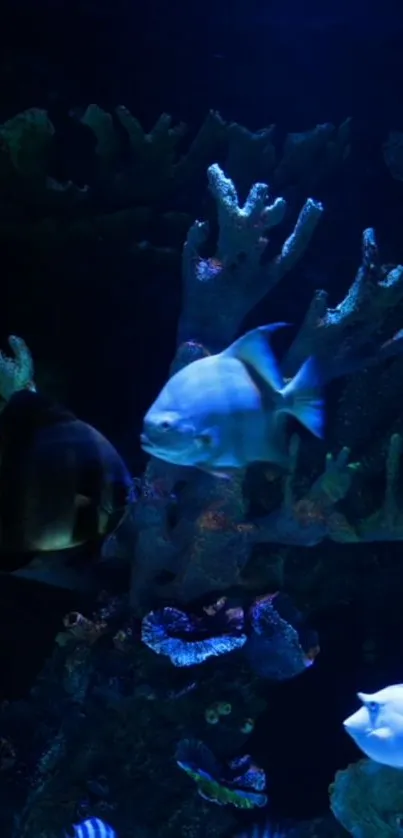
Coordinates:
(386,524)
(133,169)
(210,515)
(309,519)
(336,335)
(210,518)
(232,282)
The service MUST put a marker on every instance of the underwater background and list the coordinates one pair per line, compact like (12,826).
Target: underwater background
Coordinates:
(102,705)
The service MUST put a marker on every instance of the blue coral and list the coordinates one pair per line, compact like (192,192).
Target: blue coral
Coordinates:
(187,639)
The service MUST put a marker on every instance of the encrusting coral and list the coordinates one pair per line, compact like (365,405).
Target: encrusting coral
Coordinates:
(367,799)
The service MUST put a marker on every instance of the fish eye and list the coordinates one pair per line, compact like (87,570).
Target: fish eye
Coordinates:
(206,440)
(372,706)
(165,425)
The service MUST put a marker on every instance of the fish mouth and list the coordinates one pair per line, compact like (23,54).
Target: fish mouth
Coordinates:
(152,448)
(146,442)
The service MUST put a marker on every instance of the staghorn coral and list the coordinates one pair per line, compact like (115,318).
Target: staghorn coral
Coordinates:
(211,514)
(386,524)
(393,154)
(302,159)
(337,335)
(309,519)
(25,142)
(210,518)
(367,799)
(149,170)
(233,281)
(138,174)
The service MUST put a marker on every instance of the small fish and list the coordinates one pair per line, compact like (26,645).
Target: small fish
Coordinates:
(62,485)
(225,411)
(377,727)
(93,828)
(262,830)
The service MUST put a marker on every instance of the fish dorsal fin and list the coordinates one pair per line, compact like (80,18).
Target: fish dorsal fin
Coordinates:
(254,349)
(365,697)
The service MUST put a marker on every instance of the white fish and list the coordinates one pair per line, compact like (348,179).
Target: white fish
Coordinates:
(224,411)
(93,828)
(377,727)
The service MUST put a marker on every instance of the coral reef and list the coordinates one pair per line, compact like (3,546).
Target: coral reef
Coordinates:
(393,154)
(101,729)
(211,515)
(99,735)
(134,170)
(337,336)
(183,549)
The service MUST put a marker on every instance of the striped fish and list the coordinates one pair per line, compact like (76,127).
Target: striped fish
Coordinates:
(93,828)
(266,829)
(225,411)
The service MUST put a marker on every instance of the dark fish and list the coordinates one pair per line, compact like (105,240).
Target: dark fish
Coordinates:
(62,484)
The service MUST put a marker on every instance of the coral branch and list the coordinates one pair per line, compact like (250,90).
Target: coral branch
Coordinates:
(334,335)
(311,518)
(387,523)
(232,282)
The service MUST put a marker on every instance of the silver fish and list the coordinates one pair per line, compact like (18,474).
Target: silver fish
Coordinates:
(377,727)
(225,411)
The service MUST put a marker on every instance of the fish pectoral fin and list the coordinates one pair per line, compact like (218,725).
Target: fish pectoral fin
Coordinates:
(254,349)
(223,475)
(382,733)
(302,398)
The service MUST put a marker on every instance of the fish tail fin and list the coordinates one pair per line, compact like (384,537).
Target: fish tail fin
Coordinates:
(302,398)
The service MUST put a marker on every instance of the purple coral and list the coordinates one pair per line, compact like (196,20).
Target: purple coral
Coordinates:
(188,639)
(279,645)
